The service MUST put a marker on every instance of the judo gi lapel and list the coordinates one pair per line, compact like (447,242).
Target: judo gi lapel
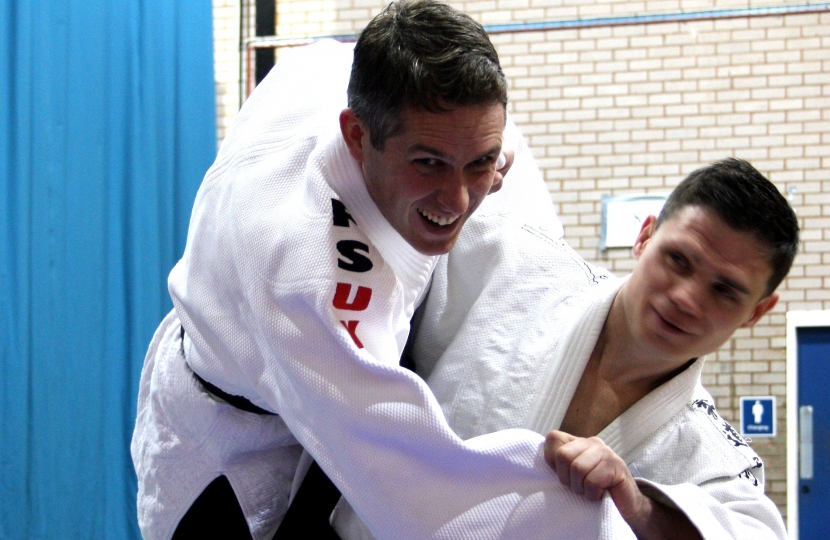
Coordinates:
(571,354)
(411,268)
(633,426)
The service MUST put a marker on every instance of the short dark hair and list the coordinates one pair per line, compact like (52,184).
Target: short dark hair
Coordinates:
(746,201)
(425,55)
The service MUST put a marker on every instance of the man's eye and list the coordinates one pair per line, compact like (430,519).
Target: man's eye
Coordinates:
(725,291)
(427,162)
(677,260)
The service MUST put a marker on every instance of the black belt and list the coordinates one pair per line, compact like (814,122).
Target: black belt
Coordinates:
(308,514)
(239,402)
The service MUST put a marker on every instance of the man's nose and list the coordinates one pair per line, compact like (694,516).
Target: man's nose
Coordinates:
(453,193)
(688,296)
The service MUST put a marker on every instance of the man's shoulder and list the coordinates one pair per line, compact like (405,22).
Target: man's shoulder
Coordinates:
(719,434)
(697,446)
(305,82)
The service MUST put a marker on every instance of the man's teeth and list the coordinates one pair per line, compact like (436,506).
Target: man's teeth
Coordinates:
(438,220)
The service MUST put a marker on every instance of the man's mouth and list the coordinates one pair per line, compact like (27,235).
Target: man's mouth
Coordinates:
(670,324)
(438,220)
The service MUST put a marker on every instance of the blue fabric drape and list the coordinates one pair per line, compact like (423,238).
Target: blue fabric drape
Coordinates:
(107,125)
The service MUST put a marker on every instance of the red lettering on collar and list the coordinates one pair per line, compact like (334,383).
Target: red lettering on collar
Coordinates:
(361,297)
(351,326)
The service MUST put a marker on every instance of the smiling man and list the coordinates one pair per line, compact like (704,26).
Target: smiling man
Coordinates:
(613,365)
(312,239)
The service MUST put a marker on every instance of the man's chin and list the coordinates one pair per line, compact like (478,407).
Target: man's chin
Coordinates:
(434,249)
(434,241)
(433,246)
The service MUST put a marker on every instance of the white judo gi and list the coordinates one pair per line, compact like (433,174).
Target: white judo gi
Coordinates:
(512,356)
(295,293)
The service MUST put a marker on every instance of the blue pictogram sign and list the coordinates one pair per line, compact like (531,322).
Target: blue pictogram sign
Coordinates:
(758,416)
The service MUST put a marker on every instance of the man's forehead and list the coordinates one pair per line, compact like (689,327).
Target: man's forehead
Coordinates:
(701,220)
(411,114)
(439,133)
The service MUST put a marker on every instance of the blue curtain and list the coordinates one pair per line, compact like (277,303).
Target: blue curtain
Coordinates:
(107,125)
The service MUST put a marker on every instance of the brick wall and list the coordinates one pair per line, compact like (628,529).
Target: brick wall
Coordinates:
(226,15)
(633,109)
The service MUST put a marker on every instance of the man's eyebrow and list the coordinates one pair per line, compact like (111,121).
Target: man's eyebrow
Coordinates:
(493,151)
(428,150)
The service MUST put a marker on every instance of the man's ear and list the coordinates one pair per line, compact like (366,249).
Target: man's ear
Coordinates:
(646,232)
(761,309)
(353,133)
(501,169)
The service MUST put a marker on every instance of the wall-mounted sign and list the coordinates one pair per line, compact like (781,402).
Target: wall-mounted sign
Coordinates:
(622,217)
(758,416)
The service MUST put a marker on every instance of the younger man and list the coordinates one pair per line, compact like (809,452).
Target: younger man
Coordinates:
(615,368)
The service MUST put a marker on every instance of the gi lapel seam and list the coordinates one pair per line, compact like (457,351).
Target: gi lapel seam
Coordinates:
(633,426)
(569,359)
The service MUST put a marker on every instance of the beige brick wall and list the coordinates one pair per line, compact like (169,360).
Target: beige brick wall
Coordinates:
(633,109)
(226,63)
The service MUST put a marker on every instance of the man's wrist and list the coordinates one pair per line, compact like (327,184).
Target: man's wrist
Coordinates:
(658,518)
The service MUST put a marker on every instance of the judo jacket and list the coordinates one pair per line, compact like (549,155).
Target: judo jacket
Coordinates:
(295,293)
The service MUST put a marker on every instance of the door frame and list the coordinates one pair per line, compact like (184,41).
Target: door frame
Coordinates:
(796,320)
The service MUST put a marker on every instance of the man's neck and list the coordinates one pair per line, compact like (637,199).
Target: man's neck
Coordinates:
(620,372)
